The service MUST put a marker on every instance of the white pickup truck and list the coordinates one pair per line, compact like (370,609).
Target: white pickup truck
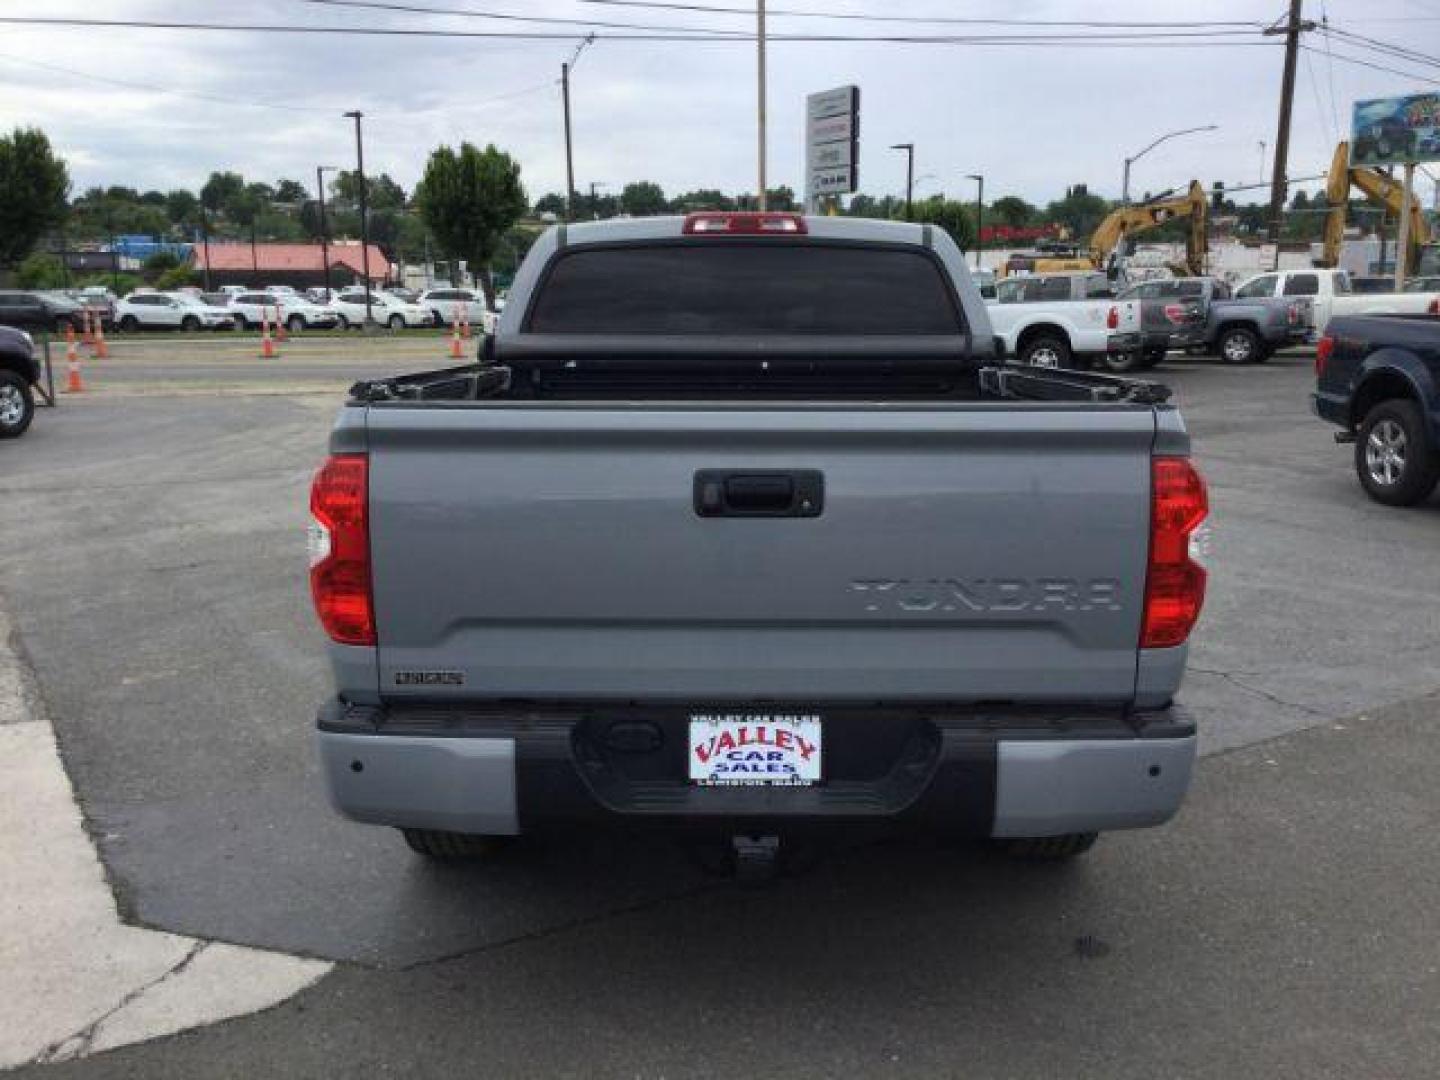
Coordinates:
(1330,294)
(1063,320)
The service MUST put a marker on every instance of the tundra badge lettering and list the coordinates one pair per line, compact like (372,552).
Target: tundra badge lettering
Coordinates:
(429,678)
(988,594)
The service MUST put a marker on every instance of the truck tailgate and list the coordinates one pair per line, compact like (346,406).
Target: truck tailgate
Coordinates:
(963,553)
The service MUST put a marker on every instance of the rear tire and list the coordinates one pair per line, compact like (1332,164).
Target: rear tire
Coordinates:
(434,844)
(1239,345)
(1395,460)
(1126,363)
(342,323)
(129,324)
(17,405)
(295,323)
(1046,848)
(189,324)
(397,322)
(1046,350)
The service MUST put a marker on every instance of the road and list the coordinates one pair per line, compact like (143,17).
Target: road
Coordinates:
(1284,926)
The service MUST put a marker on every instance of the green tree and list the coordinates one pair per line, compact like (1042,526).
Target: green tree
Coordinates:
(1079,212)
(702,199)
(641,198)
(34,184)
(469,199)
(955,218)
(1013,211)
(290,191)
(40,271)
(222,191)
(177,277)
(159,263)
(182,207)
(381,192)
(552,203)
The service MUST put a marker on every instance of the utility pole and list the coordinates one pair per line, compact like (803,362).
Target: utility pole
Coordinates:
(909,148)
(760,98)
(1402,240)
(1292,29)
(205,239)
(355,114)
(324,232)
(979,212)
(595,199)
(565,70)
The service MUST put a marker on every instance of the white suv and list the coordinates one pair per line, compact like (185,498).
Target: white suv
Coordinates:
(448,303)
(250,308)
(170,311)
(385,309)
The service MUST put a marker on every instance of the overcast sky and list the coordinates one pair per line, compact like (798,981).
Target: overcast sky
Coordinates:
(1031,119)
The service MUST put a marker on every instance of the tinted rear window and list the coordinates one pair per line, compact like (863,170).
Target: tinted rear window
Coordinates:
(715,287)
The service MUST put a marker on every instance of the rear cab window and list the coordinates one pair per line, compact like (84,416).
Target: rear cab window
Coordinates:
(1302,285)
(720,287)
(1260,287)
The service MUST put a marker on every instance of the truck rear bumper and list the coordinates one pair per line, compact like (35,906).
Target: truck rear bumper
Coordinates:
(993,773)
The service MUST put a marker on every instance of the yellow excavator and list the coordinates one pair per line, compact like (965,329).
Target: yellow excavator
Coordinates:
(1383,190)
(1108,239)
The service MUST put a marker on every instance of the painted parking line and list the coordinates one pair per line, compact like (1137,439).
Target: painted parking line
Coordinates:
(74,979)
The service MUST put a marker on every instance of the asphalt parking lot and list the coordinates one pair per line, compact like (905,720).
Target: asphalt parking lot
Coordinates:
(1285,925)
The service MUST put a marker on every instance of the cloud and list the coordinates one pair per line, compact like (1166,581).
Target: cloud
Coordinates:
(1033,120)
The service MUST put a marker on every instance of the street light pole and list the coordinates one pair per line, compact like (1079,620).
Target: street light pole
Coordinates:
(595,199)
(1262,159)
(909,148)
(356,114)
(320,171)
(760,96)
(1125,185)
(979,212)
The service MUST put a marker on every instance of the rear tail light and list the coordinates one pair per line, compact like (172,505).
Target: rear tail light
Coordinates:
(1292,314)
(1434,308)
(339,543)
(1176,313)
(1112,320)
(1323,348)
(1174,581)
(743,224)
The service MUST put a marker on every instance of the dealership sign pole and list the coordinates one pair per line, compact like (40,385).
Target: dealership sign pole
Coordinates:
(832,146)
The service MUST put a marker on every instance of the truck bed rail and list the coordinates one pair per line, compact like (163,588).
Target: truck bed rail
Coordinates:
(475,382)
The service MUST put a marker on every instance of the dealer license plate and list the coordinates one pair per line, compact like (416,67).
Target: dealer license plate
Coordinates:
(755,749)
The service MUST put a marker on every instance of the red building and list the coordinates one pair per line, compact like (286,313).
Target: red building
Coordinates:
(299,265)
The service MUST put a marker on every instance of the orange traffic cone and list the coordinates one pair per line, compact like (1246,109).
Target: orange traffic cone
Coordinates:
(280,334)
(101,349)
(456,352)
(73,382)
(267,347)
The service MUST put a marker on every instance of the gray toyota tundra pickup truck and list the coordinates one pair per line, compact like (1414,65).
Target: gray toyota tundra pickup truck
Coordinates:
(738,524)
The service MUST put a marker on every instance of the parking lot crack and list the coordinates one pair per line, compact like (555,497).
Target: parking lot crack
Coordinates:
(1258,692)
(78,1044)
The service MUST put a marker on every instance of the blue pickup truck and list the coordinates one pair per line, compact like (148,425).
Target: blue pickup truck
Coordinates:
(1378,377)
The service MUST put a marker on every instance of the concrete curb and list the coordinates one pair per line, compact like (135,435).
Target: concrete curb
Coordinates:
(74,979)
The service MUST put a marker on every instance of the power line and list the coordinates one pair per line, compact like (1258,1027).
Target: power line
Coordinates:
(1375,45)
(1145,39)
(712,9)
(1379,67)
(470,13)
(229,99)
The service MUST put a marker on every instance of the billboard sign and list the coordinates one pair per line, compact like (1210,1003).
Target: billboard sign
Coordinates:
(832,142)
(1394,131)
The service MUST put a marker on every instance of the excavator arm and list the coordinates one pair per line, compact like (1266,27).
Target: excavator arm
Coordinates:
(1378,188)
(1129,220)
